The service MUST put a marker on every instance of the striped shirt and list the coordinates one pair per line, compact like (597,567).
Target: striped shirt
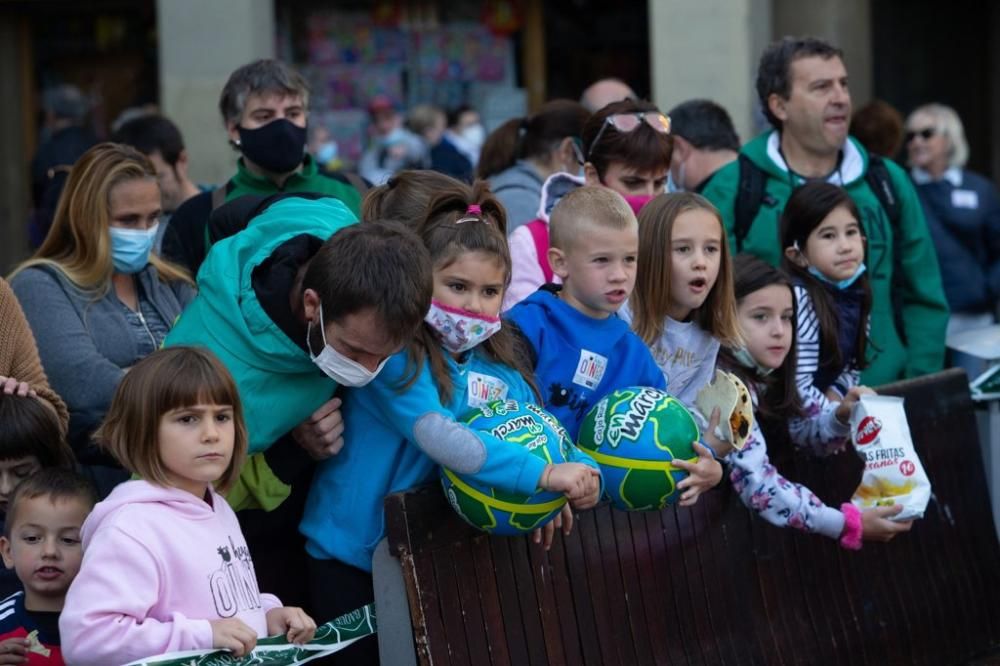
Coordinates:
(807,341)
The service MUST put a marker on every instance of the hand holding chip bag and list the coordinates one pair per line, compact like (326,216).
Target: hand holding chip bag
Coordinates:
(893,473)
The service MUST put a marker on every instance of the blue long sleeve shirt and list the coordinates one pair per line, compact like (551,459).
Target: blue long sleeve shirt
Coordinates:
(344,518)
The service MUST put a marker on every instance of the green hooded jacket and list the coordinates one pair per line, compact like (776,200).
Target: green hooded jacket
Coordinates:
(279,384)
(924,309)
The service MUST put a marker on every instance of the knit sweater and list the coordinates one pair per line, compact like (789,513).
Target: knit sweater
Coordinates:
(19,354)
(85,342)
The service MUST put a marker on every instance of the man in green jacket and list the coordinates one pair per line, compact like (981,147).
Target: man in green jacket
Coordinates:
(265,108)
(802,85)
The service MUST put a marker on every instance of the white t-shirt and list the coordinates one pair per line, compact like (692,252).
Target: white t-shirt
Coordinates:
(685,354)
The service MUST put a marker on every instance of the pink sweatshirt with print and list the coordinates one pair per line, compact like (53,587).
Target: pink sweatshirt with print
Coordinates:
(158,565)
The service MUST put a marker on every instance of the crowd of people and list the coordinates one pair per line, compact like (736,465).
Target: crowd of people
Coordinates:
(206,394)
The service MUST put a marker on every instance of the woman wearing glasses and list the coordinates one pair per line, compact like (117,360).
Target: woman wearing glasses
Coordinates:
(626,147)
(963,214)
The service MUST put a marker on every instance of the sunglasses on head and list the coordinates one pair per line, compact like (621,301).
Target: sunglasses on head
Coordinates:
(924,134)
(626,122)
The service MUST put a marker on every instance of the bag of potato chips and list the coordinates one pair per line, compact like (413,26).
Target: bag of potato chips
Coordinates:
(893,473)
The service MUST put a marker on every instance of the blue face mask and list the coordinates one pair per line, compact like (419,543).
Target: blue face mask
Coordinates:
(130,248)
(398,135)
(678,184)
(744,358)
(842,284)
(326,153)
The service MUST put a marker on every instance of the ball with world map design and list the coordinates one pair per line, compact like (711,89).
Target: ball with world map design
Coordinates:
(635,434)
(496,511)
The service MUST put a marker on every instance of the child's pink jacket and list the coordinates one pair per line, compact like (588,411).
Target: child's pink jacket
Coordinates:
(158,564)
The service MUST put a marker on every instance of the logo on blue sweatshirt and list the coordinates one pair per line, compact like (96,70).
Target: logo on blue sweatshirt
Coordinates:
(590,369)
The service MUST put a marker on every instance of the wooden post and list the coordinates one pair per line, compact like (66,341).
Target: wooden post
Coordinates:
(533,62)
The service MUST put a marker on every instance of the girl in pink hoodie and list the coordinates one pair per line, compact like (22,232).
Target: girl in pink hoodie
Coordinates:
(165,566)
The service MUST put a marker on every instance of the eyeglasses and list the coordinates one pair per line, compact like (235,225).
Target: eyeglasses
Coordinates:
(924,134)
(627,122)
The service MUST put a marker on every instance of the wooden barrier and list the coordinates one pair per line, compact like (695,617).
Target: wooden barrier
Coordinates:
(714,584)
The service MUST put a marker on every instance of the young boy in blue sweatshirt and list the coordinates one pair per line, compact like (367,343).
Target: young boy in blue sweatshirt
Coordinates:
(583,350)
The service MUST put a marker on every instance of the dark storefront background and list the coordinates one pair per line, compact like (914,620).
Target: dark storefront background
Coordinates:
(928,52)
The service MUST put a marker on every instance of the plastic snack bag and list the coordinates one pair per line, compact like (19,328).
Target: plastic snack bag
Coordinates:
(893,473)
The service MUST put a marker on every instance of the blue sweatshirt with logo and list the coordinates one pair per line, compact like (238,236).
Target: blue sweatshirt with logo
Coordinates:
(387,449)
(580,359)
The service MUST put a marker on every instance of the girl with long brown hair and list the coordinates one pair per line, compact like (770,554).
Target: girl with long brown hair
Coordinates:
(765,361)
(824,252)
(683,306)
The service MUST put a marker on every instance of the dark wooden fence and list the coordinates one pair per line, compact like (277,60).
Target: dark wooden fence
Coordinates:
(716,585)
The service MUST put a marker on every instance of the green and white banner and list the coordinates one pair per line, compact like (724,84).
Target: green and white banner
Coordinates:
(275,650)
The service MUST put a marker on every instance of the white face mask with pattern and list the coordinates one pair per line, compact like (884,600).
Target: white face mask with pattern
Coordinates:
(335,365)
(460,330)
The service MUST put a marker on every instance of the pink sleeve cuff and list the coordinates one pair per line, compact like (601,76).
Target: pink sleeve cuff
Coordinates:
(850,538)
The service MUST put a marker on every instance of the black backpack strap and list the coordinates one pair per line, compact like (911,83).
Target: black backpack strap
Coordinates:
(749,196)
(357,182)
(234,216)
(880,182)
(219,196)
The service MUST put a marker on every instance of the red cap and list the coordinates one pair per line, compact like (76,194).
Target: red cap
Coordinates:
(380,103)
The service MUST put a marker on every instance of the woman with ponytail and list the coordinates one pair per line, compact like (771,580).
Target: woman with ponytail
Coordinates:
(523,152)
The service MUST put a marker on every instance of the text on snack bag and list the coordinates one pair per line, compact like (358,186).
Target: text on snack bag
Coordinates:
(868,430)
(879,458)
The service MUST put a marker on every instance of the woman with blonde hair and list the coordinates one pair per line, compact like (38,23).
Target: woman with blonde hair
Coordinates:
(963,215)
(97,299)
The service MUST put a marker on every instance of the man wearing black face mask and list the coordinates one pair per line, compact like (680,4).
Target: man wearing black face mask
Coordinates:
(264,107)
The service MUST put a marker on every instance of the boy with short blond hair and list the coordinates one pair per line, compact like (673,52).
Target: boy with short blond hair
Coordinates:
(588,207)
(41,542)
(583,350)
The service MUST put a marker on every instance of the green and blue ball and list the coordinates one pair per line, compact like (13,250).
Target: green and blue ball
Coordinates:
(635,434)
(493,510)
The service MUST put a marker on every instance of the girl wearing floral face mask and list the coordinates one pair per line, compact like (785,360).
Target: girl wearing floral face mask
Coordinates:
(403,424)
(97,298)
